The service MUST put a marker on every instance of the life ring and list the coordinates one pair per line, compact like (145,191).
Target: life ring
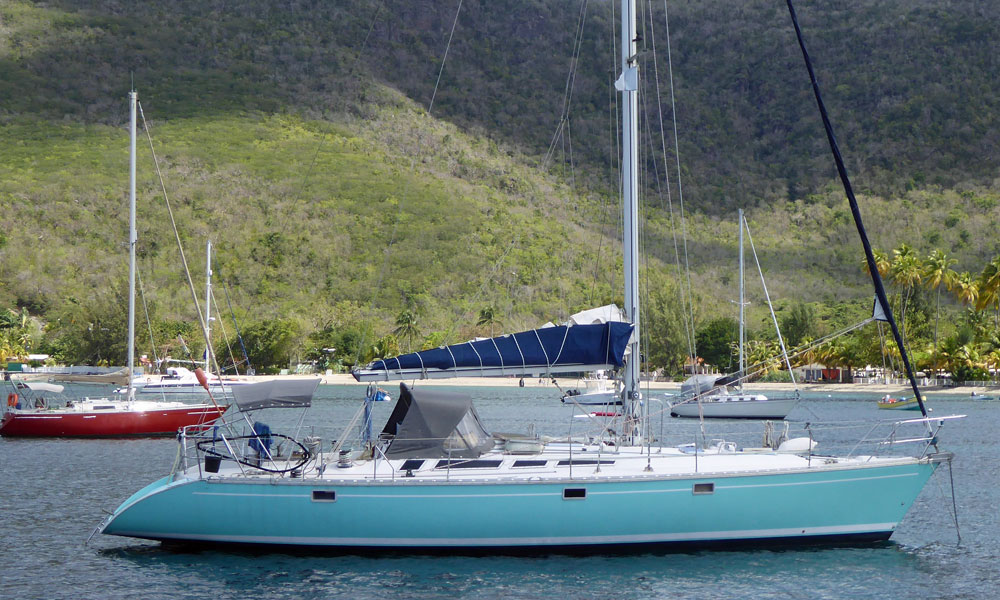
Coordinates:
(12,400)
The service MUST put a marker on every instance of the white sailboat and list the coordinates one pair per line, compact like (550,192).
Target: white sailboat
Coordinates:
(710,397)
(181,380)
(436,479)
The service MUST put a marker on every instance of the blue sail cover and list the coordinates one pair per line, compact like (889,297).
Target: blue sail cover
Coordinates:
(537,352)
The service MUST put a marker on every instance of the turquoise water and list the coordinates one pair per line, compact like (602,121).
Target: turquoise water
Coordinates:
(54,493)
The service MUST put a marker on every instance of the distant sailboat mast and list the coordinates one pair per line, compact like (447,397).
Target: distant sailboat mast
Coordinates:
(628,85)
(743,304)
(130,359)
(208,304)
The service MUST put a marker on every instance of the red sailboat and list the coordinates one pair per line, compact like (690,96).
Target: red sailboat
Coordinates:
(38,410)
(35,409)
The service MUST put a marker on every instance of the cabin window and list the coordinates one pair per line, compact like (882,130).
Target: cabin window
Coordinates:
(564,463)
(412,464)
(324,496)
(704,488)
(574,493)
(458,463)
(529,463)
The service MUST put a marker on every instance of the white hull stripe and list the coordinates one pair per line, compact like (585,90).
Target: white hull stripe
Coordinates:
(345,492)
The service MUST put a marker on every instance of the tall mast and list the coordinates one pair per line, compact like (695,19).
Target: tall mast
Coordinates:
(208,304)
(742,303)
(130,361)
(628,84)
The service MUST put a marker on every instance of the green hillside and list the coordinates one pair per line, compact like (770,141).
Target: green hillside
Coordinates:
(296,136)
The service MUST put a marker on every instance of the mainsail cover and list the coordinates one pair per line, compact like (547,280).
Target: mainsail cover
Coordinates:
(532,353)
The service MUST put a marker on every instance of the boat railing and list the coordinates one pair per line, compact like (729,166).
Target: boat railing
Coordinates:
(897,434)
(210,446)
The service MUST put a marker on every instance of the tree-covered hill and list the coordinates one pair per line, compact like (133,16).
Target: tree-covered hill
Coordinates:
(296,135)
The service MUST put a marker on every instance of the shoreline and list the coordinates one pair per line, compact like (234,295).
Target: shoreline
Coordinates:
(571,383)
(567,383)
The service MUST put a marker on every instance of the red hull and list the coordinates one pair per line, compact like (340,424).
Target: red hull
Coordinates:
(163,421)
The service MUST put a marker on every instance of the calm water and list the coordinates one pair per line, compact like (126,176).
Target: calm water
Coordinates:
(54,492)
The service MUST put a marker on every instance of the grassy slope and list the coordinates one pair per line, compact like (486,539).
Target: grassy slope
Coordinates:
(276,143)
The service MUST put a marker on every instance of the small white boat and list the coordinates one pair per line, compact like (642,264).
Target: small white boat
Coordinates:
(597,390)
(704,397)
(180,380)
(736,406)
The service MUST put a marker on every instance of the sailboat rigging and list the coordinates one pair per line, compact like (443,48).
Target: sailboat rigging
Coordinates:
(181,380)
(435,478)
(710,396)
(123,415)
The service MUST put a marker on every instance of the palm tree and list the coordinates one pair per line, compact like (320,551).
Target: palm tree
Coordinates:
(828,355)
(406,326)
(992,360)
(989,286)
(15,334)
(965,288)
(906,272)
(938,272)
(762,357)
(805,353)
(882,263)
(488,316)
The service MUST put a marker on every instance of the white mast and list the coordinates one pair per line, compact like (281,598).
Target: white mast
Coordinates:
(130,361)
(628,84)
(208,304)
(742,302)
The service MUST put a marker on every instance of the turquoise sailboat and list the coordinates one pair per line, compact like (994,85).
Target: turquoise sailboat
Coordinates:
(434,478)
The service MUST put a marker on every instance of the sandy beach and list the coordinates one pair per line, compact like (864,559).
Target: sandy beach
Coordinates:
(566,383)
(570,383)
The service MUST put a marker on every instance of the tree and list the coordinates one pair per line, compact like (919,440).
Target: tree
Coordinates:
(715,339)
(882,263)
(762,357)
(938,272)
(906,272)
(270,344)
(15,334)
(989,286)
(966,288)
(668,343)
(488,317)
(406,327)
(798,324)
(385,346)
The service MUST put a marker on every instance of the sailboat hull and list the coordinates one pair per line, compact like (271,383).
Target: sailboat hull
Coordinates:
(829,505)
(737,409)
(105,423)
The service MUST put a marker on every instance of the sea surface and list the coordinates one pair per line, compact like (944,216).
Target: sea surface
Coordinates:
(54,492)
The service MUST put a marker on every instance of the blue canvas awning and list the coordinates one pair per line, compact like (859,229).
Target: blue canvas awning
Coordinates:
(533,353)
